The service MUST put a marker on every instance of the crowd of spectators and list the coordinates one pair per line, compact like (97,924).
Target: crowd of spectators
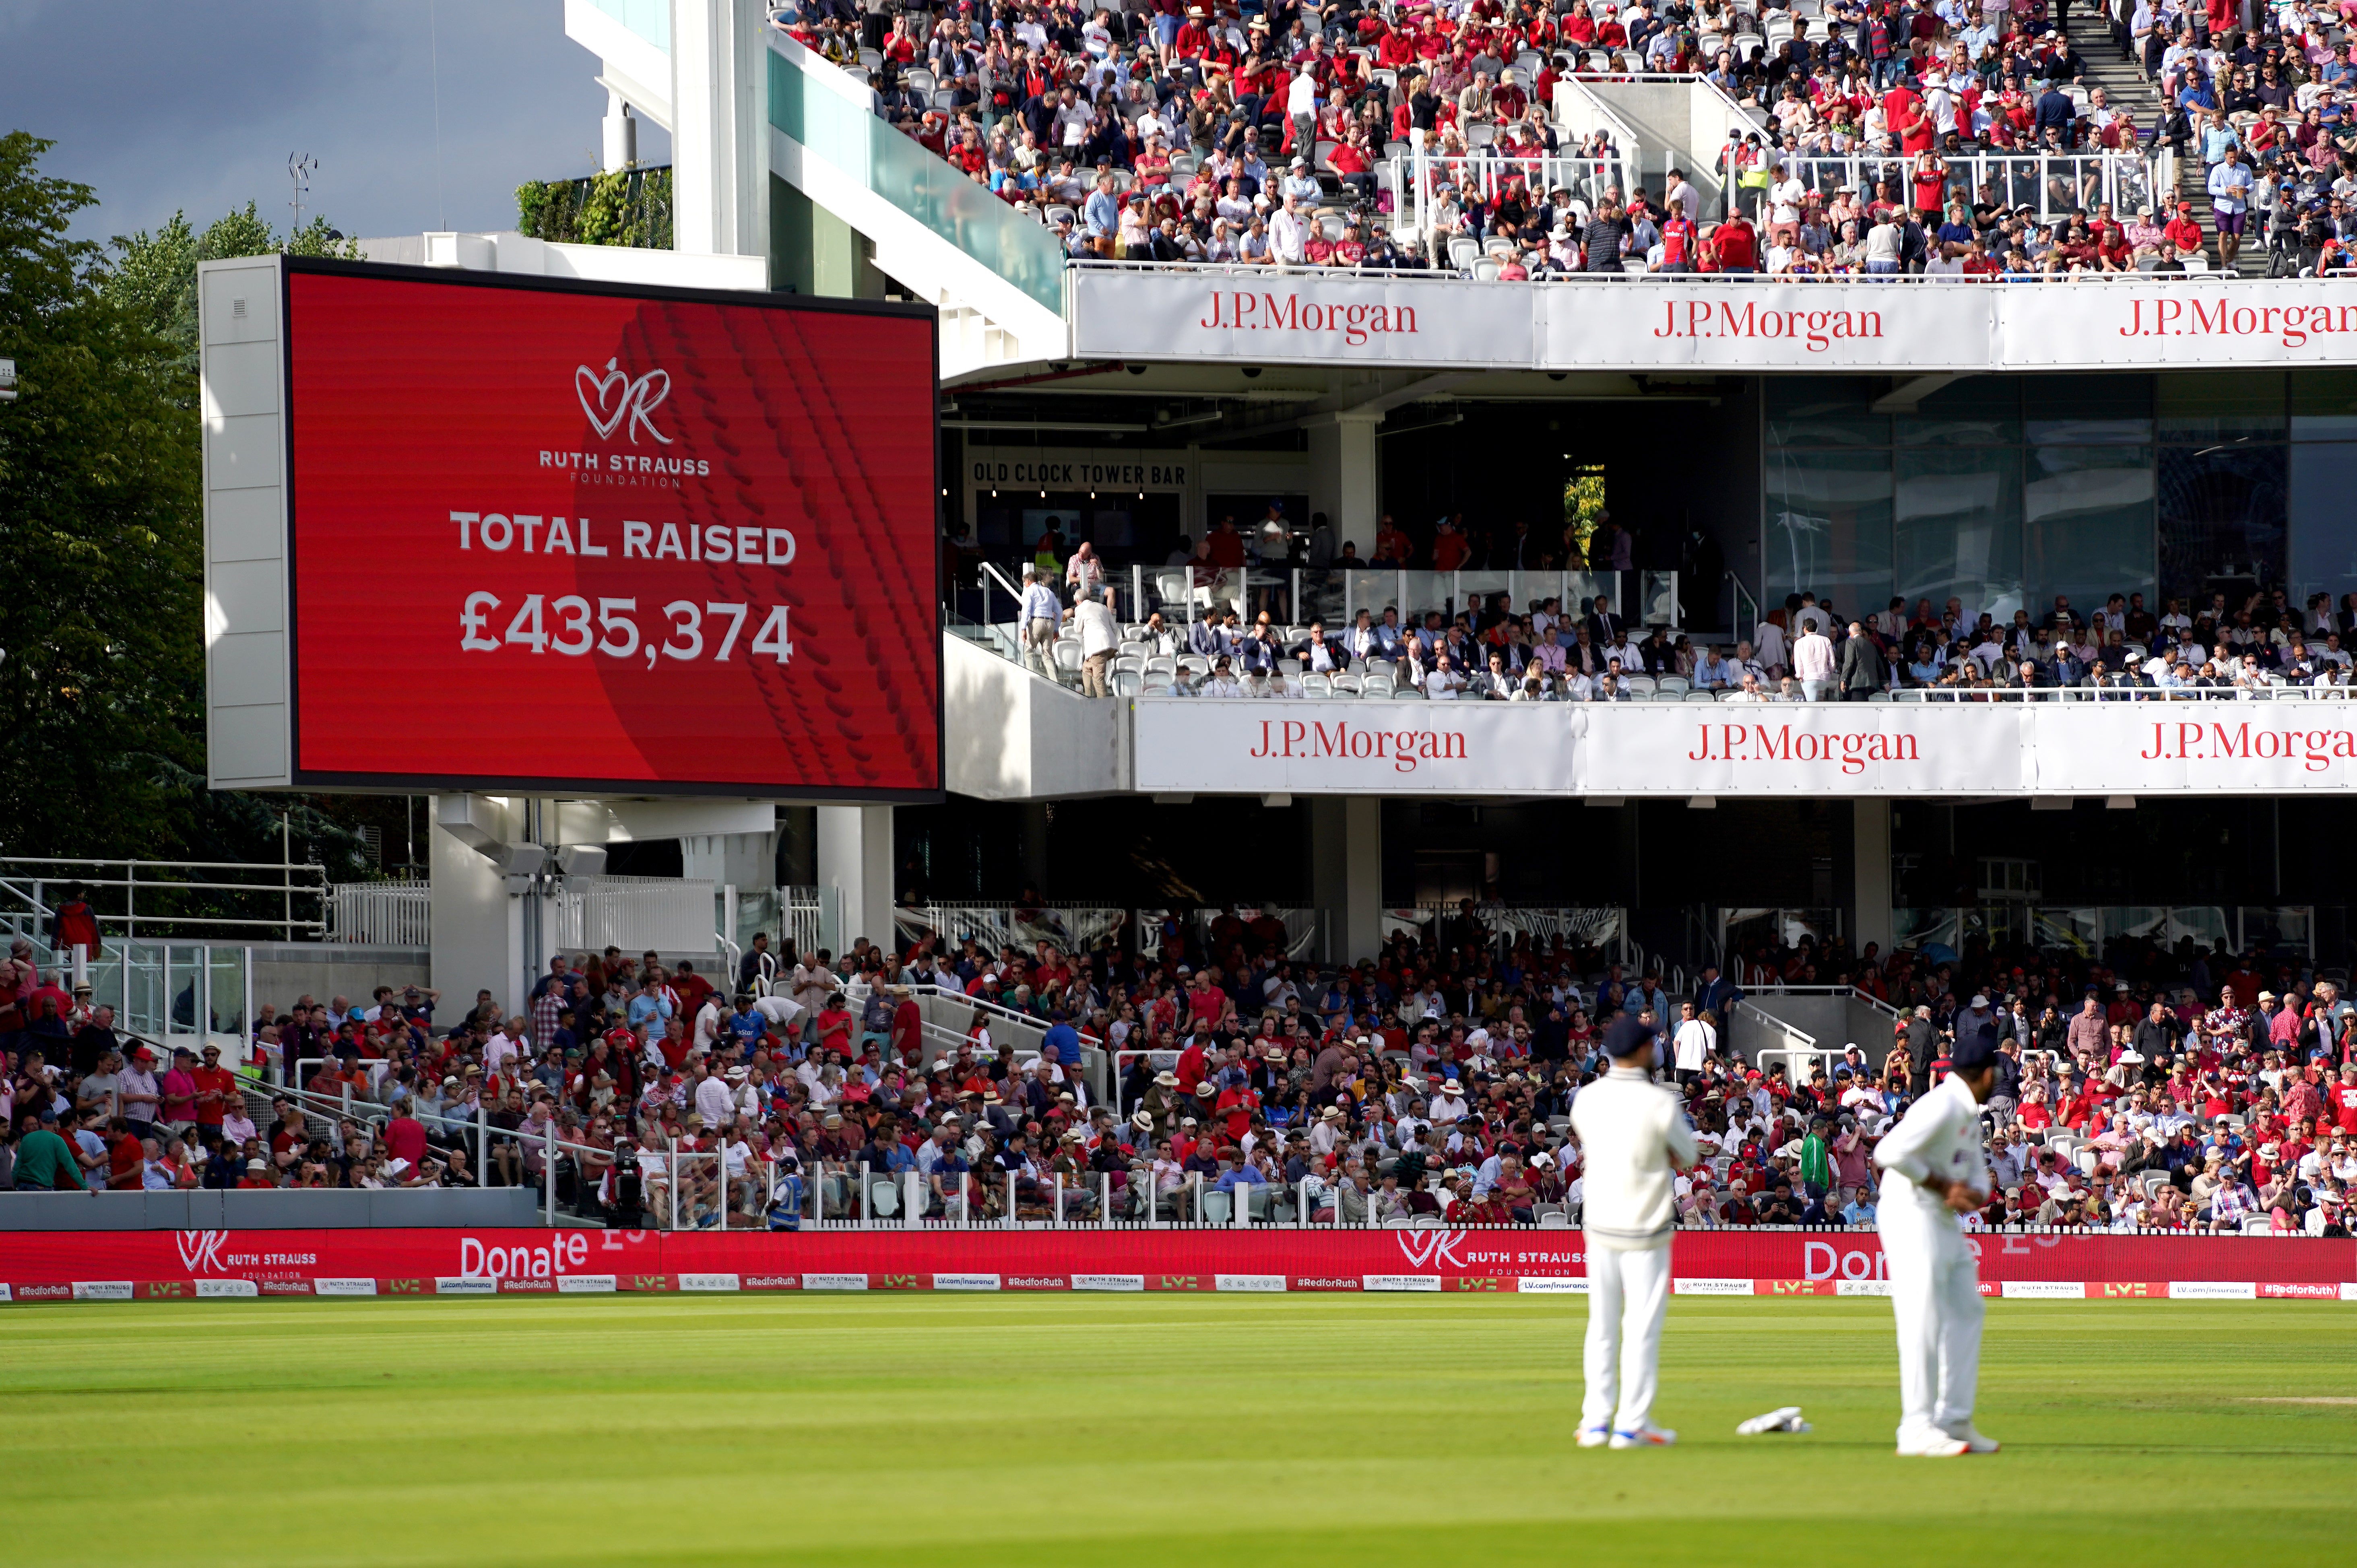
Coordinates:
(2145,1087)
(2124,649)
(1804,650)
(1178,133)
(1433,1080)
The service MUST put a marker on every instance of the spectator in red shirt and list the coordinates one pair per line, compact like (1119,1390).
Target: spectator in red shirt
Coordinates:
(216,1088)
(1738,244)
(2183,234)
(1902,107)
(2344,1099)
(1450,548)
(404,1136)
(834,1023)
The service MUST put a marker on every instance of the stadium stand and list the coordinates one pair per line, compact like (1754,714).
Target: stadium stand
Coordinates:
(2124,650)
(1874,140)
(1428,1085)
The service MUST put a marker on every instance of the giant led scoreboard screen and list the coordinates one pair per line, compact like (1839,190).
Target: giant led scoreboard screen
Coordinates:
(547,534)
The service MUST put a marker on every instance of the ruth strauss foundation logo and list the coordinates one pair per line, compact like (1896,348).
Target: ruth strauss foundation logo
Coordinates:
(1425,1246)
(200,1250)
(615,396)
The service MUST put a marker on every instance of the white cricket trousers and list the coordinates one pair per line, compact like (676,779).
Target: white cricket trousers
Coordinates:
(1935,1293)
(1627,1294)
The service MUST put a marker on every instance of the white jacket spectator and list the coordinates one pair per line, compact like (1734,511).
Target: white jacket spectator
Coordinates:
(1812,664)
(1288,236)
(1100,632)
(1100,636)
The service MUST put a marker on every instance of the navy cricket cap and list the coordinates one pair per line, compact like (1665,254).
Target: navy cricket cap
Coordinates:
(1626,1037)
(1971,1054)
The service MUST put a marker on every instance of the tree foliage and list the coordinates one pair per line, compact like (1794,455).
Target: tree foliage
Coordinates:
(101,541)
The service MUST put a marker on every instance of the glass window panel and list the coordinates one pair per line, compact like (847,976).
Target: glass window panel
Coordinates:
(2324,405)
(1979,411)
(1829,527)
(2219,405)
(2222,518)
(1958,529)
(2088,516)
(2088,410)
(2089,432)
(1371,590)
(1825,410)
(2323,519)
(1427,591)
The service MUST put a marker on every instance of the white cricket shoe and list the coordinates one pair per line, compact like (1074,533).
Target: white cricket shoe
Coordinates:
(1975,1440)
(1932,1445)
(1594,1436)
(1646,1436)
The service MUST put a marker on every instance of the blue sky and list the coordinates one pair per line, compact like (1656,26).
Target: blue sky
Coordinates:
(196,106)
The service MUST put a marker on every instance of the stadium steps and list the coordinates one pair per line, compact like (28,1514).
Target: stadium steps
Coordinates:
(2124,83)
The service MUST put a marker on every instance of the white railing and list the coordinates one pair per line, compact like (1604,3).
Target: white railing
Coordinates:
(386,914)
(2055,184)
(1416,178)
(634,913)
(2268,693)
(1442,274)
(1642,691)
(1799,1050)
(809,914)
(285,898)
(996,926)
(472,1133)
(169,994)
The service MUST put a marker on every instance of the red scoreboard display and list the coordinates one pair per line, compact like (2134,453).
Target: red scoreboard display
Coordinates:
(554,535)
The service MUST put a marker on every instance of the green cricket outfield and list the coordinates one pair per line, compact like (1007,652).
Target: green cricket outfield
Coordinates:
(1284,1430)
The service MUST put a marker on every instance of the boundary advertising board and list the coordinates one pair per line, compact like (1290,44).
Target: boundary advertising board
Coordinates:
(1275,315)
(201,1265)
(1248,747)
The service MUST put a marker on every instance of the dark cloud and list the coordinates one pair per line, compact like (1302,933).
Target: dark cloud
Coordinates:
(196,107)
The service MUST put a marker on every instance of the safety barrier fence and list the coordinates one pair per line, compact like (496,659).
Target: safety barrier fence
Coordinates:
(171,1265)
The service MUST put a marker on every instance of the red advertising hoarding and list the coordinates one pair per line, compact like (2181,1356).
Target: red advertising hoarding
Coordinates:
(126,1265)
(553,534)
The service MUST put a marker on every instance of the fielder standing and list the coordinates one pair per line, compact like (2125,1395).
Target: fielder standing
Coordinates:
(1933,1170)
(1633,1135)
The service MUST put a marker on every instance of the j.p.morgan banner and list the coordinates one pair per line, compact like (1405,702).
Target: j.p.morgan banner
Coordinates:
(1262,746)
(1260,316)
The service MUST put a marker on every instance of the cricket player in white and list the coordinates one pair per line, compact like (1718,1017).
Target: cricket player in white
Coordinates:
(1934,1170)
(1633,1135)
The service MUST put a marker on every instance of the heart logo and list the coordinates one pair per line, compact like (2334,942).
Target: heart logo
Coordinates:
(613,397)
(597,391)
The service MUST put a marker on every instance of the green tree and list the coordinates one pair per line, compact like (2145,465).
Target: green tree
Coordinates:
(155,274)
(98,494)
(100,543)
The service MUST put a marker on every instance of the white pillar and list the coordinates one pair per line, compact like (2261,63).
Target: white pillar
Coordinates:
(855,858)
(743,860)
(1870,874)
(1346,845)
(478,936)
(622,149)
(1345,481)
(720,129)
